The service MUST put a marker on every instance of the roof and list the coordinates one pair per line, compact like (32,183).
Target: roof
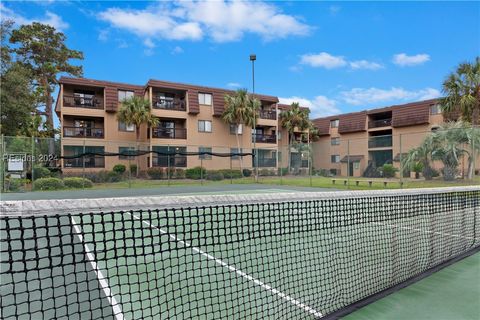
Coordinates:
(98,83)
(352,158)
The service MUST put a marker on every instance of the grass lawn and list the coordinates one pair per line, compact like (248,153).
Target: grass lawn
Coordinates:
(318,182)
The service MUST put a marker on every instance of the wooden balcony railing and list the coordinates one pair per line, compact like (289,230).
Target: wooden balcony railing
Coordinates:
(264,138)
(169,133)
(380,123)
(78,102)
(81,132)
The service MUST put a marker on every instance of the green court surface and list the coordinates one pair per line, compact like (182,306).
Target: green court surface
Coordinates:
(450,294)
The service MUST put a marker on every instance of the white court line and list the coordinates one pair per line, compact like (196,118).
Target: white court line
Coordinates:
(425,231)
(233,269)
(117,310)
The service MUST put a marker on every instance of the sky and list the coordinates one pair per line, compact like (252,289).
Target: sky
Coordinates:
(333,57)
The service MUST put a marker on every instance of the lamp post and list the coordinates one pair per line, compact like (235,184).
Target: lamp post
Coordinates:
(253,57)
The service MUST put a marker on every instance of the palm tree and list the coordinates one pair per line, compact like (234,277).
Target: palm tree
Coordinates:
(462,91)
(239,111)
(421,156)
(136,111)
(292,119)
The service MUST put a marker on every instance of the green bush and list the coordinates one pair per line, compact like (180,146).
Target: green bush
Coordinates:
(48,184)
(389,171)
(16,184)
(266,172)
(77,182)
(195,173)
(170,173)
(114,176)
(282,171)
(155,173)
(179,173)
(231,173)
(214,175)
(133,168)
(40,172)
(247,172)
(119,168)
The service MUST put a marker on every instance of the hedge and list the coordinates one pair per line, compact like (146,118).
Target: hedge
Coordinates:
(195,173)
(77,182)
(48,184)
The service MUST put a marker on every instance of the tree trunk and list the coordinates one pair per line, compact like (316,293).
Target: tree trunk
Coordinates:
(471,169)
(49,120)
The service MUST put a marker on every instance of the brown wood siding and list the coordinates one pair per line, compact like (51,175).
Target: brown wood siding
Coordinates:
(323,126)
(218,103)
(409,115)
(111,99)
(352,122)
(193,107)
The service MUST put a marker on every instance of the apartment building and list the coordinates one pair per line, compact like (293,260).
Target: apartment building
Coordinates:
(357,143)
(190,121)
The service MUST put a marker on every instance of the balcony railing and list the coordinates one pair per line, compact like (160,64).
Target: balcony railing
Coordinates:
(169,133)
(169,161)
(86,161)
(266,162)
(380,123)
(380,142)
(169,104)
(79,102)
(268,114)
(264,138)
(81,132)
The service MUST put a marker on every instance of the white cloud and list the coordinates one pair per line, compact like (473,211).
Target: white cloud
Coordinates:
(364,64)
(320,106)
(323,60)
(403,59)
(234,85)
(219,20)
(49,18)
(103,35)
(149,43)
(177,50)
(365,96)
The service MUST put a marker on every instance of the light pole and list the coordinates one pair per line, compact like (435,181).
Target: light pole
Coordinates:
(253,57)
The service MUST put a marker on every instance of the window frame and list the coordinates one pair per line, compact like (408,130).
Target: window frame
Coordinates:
(437,107)
(120,128)
(334,123)
(126,97)
(334,160)
(235,127)
(204,130)
(337,143)
(205,156)
(204,95)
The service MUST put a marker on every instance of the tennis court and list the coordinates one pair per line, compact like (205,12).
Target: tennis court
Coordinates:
(272,255)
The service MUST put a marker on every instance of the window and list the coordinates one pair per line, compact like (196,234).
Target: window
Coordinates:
(204,156)
(205,98)
(334,172)
(235,151)
(237,128)
(335,158)
(123,95)
(126,150)
(435,109)
(122,126)
(204,126)
(335,141)
(356,165)
(334,123)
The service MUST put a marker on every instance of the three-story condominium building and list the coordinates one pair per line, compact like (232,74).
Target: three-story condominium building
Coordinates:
(189,121)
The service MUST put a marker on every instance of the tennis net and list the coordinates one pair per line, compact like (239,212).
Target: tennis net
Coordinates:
(284,256)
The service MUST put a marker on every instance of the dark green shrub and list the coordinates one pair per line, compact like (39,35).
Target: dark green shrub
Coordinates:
(282,171)
(155,173)
(389,171)
(247,172)
(114,176)
(133,168)
(77,182)
(195,173)
(16,184)
(48,184)
(179,173)
(214,175)
(119,168)
(40,172)
(231,173)
(170,173)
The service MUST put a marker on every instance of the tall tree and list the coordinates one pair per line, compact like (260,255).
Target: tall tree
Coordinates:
(239,111)
(295,118)
(43,51)
(462,91)
(136,111)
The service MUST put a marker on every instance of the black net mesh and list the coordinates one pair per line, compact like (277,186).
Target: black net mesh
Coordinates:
(290,259)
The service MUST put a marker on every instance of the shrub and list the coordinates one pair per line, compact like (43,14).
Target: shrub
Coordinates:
(214,175)
(247,172)
(133,168)
(231,173)
(155,173)
(417,168)
(266,172)
(77,182)
(179,173)
(322,172)
(195,173)
(40,172)
(389,171)
(48,184)
(16,184)
(170,173)
(282,171)
(114,176)
(119,168)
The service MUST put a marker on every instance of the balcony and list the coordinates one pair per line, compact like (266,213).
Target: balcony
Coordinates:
(268,114)
(169,104)
(264,138)
(83,102)
(82,132)
(380,123)
(169,133)
(90,162)
(266,162)
(380,142)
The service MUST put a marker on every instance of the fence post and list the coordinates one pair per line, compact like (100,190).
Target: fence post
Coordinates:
(401,162)
(231,171)
(32,159)
(168,165)
(201,169)
(83,160)
(310,164)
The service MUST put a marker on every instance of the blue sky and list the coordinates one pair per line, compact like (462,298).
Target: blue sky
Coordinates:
(331,56)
